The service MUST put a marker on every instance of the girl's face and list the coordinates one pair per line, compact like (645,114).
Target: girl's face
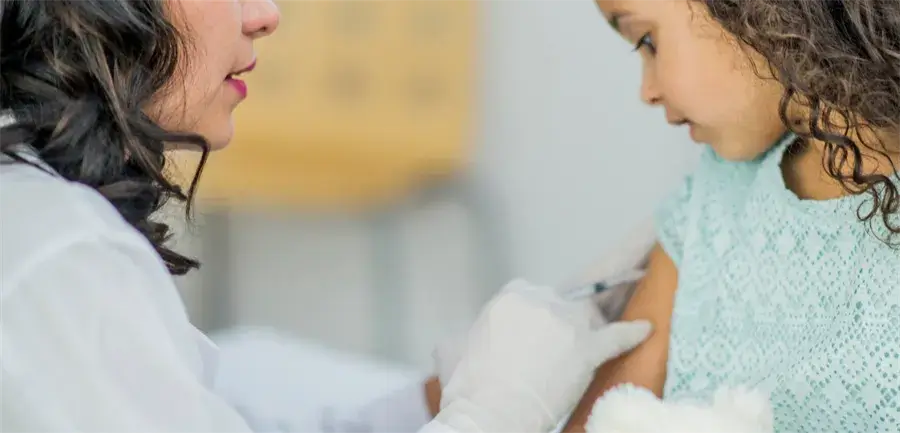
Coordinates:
(220,36)
(701,78)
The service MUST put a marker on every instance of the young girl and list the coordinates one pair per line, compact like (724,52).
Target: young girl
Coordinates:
(778,263)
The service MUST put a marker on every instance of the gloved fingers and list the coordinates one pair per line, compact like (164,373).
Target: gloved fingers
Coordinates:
(517,285)
(529,290)
(542,296)
(611,302)
(584,312)
(615,339)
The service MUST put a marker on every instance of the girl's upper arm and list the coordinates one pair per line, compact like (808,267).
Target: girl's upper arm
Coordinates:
(653,300)
(644,366)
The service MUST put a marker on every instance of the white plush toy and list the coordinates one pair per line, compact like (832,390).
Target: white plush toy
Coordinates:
(629,409)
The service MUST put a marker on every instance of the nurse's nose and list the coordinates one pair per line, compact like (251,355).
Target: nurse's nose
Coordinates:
(260,17)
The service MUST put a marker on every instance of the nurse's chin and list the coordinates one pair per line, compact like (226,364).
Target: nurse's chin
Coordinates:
(216,138)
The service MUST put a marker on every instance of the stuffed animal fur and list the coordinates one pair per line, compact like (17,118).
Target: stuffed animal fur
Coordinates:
(629,409)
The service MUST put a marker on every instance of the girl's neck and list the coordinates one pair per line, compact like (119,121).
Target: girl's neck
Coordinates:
(805,175)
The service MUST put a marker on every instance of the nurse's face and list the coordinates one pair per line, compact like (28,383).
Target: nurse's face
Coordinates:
(220,36)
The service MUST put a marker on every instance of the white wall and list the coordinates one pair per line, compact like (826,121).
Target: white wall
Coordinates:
(567,156)
(567,144)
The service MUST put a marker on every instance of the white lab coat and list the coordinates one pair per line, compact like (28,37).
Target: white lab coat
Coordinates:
(280,382)
(94,335)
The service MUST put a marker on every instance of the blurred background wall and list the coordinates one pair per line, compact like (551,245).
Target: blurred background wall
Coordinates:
(563,159)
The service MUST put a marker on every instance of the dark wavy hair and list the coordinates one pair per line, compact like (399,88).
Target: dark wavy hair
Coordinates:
(840,59)
(78,76)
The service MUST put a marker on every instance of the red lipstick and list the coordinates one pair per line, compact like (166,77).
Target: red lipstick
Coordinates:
(237,84)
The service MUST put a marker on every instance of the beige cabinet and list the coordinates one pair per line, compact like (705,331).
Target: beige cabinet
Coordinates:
(352,103)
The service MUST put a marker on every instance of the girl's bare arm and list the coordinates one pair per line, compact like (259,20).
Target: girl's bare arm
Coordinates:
(646,365)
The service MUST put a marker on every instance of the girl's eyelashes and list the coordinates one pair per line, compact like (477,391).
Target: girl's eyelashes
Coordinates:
(646,41)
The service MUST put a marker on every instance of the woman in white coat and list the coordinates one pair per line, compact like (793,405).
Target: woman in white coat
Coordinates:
(94,334)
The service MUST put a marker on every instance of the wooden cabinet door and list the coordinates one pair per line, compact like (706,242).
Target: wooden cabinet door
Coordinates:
(351,102)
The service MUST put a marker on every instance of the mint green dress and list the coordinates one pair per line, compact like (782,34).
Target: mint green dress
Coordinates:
(796,297)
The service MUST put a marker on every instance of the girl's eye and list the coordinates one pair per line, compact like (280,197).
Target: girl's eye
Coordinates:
(646,41)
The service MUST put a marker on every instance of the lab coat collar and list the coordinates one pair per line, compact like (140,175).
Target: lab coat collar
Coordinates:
(24,150)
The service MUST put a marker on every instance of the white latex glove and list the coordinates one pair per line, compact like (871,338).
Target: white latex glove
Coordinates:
(630,254)
(629,409)
(528,359)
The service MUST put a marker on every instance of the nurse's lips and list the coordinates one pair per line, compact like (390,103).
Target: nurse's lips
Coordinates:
(239,85)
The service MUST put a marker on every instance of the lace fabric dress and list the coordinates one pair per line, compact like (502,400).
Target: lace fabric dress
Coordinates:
(794,296)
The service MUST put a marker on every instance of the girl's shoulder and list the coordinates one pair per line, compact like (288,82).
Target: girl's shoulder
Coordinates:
(713,191)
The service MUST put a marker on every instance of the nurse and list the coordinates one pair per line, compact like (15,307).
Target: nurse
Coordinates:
(94,335)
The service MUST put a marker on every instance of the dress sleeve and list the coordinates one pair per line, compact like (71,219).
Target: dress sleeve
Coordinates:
(672,219)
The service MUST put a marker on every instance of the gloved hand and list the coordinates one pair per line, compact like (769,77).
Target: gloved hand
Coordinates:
(528,359)
(630,254)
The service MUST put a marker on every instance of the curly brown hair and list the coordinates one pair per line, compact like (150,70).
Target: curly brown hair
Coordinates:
(840,60)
